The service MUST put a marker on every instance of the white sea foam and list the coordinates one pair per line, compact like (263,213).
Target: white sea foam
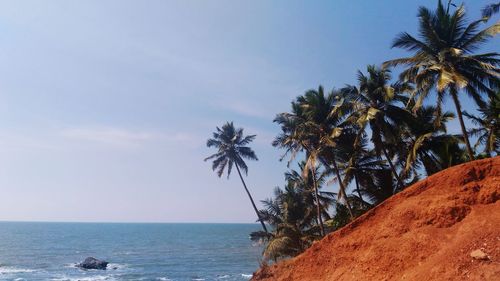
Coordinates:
(86,278)
(247,276)
(70,265)
(12,270)
(117,266)
(163,279)
(223,276)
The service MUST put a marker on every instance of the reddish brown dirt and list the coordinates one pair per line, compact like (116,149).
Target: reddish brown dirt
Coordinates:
(426,232)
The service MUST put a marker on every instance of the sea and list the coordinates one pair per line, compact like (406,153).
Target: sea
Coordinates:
(136,251)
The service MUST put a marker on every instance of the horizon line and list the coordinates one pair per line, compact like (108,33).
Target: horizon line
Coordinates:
(120,222)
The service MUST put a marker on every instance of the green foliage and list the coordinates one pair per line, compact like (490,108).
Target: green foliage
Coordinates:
(488,126)
(231,149)
(291,214)
(444,61)
(373,139)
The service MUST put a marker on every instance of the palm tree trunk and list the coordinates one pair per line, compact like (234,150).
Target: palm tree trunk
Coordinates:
(489,142)
(453,93)
(357,186)
(318,204)
(251,200)
(342,188)
(391,165)
(393,168)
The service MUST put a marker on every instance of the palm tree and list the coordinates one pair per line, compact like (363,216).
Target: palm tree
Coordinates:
(423,137)
(376,105)
(361,164)
(315,127)
(293,139)
(292,219)
(378,186)
(231,145)
(488,132)
(306,180)
(444,59)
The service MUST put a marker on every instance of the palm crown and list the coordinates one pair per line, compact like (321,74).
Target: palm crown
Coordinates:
(443,59)
(231,149)
(231,145)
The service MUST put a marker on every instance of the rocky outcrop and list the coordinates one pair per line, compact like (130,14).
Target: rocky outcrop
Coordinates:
(93,263)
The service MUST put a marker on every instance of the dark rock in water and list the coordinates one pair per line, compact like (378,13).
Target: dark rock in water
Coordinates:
(93,263)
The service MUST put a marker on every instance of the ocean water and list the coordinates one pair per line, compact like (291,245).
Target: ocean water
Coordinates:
(176,252)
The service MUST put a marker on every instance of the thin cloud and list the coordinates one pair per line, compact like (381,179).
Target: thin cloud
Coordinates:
(126,137)
(107,135)
(245,110)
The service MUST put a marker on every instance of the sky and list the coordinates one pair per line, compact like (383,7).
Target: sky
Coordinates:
(105,106)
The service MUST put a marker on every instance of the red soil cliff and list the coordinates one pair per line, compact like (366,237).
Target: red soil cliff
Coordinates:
(427,232)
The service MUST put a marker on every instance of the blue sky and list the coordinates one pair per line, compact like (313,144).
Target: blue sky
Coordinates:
(105,106)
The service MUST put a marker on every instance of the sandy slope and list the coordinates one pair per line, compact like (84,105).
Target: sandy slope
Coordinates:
(426,232)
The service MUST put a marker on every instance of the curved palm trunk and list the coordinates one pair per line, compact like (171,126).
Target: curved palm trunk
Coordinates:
(357,187)
(342,188)
(437,162)
(453,93)
(393,168)
(251,200)
(490,142)
(389,160)
(318,204)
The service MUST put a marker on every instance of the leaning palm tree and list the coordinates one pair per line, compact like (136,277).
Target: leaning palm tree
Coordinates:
(488,130)
(293,139)
(306,180)
(377,105)
(444,59)
(314,126)
(362,162)
(231,145)
(327,132)
(423,137)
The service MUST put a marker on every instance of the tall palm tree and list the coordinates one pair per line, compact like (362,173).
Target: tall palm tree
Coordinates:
(328,132)
(306,180)
(423,136)
(232,148)
(444,59)
(488,130)
(376,105)
(293,139)
(361,164)
(315,127)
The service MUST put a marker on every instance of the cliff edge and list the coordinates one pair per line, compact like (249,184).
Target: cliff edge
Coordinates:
(445,227)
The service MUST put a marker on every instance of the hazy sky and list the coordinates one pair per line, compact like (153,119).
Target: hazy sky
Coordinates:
(105,106)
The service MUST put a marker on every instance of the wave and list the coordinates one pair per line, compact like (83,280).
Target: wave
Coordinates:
(247,276)
(117,266)
(87,278)
(13,270)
